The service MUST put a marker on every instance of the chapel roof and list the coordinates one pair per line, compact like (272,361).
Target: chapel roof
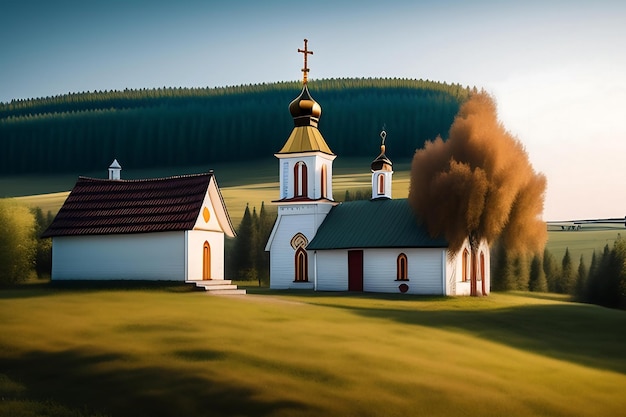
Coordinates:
(102,206)
(379,223)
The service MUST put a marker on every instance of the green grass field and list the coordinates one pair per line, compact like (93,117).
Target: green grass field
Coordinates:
(167,352)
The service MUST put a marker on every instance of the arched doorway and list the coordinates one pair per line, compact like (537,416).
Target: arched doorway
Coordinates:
(206,261)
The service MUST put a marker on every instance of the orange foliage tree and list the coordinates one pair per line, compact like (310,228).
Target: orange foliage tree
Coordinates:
(479,185)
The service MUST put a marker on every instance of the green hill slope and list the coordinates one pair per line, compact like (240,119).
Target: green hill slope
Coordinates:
(180,127)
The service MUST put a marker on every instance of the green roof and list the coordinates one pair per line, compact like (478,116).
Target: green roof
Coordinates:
(380,223)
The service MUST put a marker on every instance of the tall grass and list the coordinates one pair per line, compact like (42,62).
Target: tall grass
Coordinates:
(162,353)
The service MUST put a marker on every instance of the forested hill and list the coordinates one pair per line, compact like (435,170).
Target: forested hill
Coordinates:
(148,128)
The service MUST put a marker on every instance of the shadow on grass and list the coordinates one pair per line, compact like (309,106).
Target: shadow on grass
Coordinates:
(106,384)
(583,334)
(46,288)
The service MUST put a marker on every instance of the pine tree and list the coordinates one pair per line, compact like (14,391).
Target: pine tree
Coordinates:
(537,281)
(567,282)
(551,269)
(581,280)
(243,256)
(265,224)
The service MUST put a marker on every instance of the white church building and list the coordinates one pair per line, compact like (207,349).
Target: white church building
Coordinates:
(157,229)
(376,245)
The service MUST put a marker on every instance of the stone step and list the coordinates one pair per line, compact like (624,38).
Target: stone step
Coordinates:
(206,282)
(218,286)
(227,292)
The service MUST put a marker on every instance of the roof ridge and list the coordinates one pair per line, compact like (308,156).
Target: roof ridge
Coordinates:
(203,174)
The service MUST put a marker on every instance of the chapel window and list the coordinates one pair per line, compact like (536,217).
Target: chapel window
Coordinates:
(402,268)
(381,184)
(301,257)
(323,180)
(302,265)
(300,179)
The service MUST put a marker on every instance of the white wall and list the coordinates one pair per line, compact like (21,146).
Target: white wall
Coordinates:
(314,162)
(332,270)
(195,253)
(293,219)
(148,256)
(425,270)
(454,273)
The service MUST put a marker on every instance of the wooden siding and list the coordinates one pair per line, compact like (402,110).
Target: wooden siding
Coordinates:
(291,220)
(454,271)
(314,162)
(146,256)
(332,270)
(425,270)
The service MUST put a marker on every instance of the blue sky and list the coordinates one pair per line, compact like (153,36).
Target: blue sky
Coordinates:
(557,71)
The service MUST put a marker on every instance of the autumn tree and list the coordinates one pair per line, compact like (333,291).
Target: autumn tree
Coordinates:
(479,185)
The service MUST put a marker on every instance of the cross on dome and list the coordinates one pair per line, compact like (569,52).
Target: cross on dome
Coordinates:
(305,52)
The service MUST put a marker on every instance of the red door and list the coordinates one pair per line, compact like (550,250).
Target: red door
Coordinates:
(355,270)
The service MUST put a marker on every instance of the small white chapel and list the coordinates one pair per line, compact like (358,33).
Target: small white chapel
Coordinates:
(155,229)
(375,245)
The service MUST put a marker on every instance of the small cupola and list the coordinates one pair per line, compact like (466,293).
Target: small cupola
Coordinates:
(114,170)
(382,172)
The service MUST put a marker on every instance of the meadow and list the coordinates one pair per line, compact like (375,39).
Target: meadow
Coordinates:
(168,351)
(256,182)
(241,183)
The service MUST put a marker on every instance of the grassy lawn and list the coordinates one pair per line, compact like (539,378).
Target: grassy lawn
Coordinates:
(583,241)
(168,352)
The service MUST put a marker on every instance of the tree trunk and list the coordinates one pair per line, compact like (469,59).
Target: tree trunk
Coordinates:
(474,243)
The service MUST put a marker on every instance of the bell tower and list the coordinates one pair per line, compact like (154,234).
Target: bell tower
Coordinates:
(305,194)
(382,171)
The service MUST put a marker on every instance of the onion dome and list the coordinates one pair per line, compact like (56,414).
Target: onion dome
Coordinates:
(382,163)
(304,110)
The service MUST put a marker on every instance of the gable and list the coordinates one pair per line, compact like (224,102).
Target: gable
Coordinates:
(383,223)
(213,215)
(103,206)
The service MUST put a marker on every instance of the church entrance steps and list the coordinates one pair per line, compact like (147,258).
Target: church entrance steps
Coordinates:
(218,286)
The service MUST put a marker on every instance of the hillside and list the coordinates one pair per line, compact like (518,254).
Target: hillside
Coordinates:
(176,127)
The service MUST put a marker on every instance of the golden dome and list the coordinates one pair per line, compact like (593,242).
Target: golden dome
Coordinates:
(304,110)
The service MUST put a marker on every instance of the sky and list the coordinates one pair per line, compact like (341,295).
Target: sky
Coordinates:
(556,69)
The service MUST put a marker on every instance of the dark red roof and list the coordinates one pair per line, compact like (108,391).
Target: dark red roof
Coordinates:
(103,206)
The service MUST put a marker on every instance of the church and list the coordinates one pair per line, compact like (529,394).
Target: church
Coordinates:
(375,245)
(155,229)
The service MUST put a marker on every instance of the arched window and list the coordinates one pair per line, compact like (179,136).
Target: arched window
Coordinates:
(302,265)
(206,261)
(402,268)
(300,179)
(465,276)
(323,184)
(381,184)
